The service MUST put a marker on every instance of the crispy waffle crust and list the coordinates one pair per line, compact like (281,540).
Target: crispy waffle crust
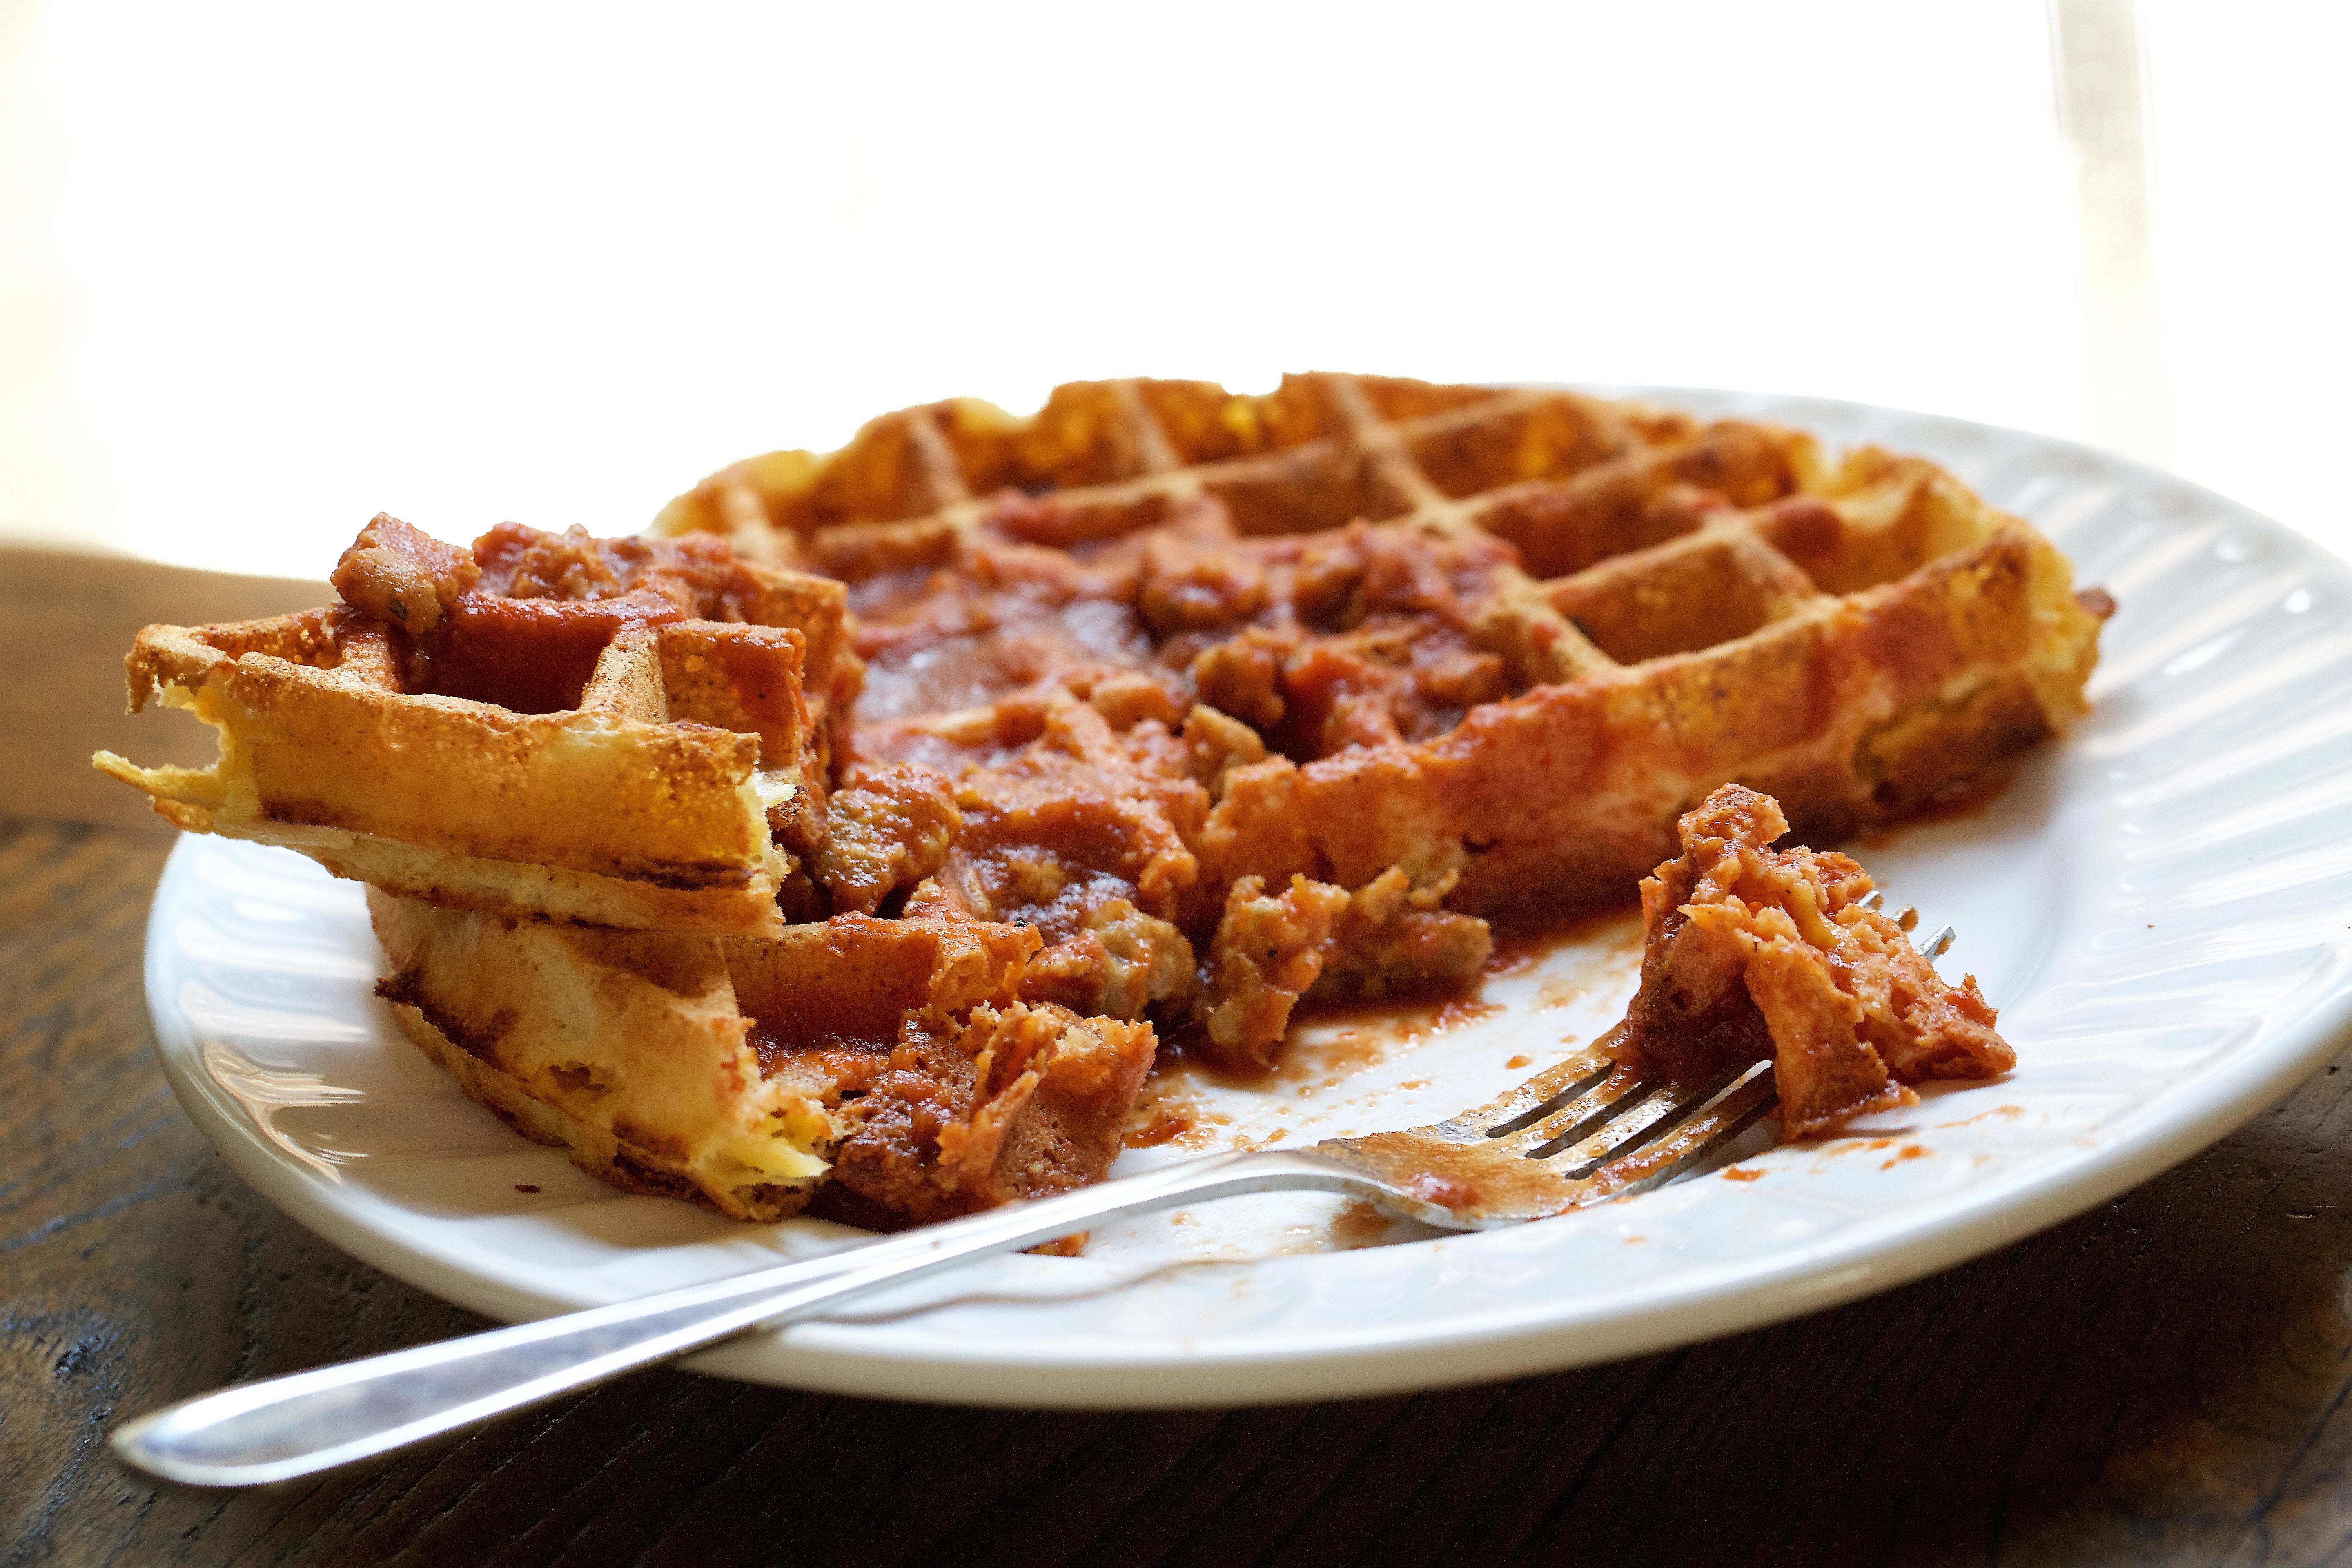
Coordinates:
(1248,698)
(624,733)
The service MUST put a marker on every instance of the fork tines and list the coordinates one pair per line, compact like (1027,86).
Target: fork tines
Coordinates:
(1592,1119)
(1596,1127)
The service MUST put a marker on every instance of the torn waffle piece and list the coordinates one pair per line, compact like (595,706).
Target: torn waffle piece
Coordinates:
(885,1068)
(1751,952)
(624,732)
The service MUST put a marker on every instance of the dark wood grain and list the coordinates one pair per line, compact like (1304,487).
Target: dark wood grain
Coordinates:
(2161,1381)
(67,617)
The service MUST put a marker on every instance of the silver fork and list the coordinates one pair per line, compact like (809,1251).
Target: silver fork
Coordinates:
(1581,1131)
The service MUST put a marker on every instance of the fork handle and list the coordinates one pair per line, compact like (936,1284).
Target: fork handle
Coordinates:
(281,1427)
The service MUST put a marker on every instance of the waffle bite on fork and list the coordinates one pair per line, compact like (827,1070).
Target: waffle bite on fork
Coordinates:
(1750,952)
(624,733)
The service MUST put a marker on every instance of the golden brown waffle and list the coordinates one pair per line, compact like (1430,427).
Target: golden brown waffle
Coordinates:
(1212,668)
(597,733)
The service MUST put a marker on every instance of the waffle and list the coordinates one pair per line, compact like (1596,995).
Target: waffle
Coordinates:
(628,733)
(892,1056)
(1317,681)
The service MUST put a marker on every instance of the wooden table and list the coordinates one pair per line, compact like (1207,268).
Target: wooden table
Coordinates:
(2159,1381)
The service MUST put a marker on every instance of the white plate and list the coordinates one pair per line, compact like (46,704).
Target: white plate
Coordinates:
(2161,906)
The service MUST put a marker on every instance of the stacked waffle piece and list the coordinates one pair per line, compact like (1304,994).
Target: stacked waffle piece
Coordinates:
(618,734)
(1178,707)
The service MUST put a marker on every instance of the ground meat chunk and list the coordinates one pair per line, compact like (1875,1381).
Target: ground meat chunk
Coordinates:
(1021,1102)
(1243,676)
(1215,745)
(695,578)
(403,576)
(567,565)
(1314,937)
(1395,937)
(1118,962)
(888,827)
(1187,587)
(1269,949)
(1751,952)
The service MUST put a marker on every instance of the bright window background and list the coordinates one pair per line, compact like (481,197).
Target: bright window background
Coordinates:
(267,270)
